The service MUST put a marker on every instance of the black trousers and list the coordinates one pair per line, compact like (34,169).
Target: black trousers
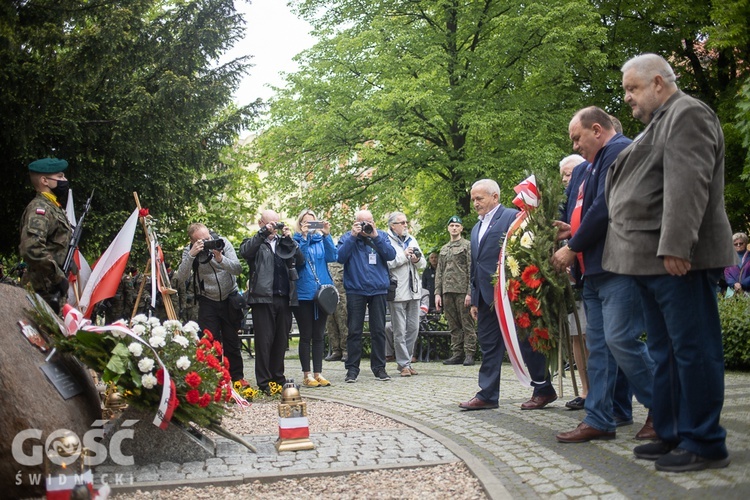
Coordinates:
(271,324)
(311,321)
(224,323)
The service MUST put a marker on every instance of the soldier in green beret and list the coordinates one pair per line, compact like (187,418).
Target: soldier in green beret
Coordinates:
(453,294)
(46,232)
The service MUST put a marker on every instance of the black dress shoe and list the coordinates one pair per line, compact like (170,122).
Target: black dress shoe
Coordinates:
(578,403)
(455,360)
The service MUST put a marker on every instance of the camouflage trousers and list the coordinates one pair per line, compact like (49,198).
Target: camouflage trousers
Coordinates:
(460,323)
(336,327)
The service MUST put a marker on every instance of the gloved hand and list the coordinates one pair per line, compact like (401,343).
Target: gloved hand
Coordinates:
(63,286)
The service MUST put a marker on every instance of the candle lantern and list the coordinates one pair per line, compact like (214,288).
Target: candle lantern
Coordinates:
(294,429)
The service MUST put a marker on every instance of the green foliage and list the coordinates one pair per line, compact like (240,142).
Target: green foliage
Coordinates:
(134,95)
(735,326)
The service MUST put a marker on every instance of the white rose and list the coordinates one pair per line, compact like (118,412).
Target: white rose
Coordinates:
(154,321)
(148,381)
(140,319)
(136,349)
(157,342)
(146,365)
(183,363)
(159,331)
(182,340)
(139,329)
(172,324)
(191,327)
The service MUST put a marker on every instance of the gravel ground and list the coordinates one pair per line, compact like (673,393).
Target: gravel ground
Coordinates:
(442,481)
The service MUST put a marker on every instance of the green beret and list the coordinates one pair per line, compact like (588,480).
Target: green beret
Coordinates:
(455,219)
(48,166)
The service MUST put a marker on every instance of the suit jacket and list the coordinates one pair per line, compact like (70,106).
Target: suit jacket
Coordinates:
(484,255)
(666,194)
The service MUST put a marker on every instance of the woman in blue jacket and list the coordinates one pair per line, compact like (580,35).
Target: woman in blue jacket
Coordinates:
(318,249)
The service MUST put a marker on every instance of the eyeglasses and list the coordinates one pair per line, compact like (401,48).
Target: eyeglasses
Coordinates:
(739,244)
(403,222)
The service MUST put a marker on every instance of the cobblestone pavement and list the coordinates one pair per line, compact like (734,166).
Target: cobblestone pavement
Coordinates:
(513,452)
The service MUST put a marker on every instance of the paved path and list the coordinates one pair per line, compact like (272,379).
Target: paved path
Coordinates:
(513,452)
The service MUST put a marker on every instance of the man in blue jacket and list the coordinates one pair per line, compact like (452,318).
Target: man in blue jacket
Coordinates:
(365,252)
(614,312)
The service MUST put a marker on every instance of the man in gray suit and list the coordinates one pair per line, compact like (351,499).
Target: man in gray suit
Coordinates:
(668,231)
(486,237)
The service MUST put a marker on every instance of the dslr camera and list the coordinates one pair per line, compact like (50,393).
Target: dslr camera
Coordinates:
(367,228)
(417,253)
(217,244)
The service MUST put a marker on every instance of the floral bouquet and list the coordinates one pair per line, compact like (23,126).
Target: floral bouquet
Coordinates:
(532,293)
(161,368)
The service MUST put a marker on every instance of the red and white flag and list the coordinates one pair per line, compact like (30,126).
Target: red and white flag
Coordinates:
(108,270)
(84,270)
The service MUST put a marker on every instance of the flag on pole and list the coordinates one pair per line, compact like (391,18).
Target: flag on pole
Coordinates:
(108,270)
(84,270)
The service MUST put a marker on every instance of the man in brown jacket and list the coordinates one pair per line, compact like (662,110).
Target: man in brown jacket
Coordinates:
(668,231)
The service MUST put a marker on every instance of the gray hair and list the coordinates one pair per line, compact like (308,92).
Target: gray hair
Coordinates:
(393,216)
(488,185)
(578,159)
(649,65)
(740,236)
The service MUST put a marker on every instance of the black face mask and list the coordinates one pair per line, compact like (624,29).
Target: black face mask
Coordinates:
(61,191)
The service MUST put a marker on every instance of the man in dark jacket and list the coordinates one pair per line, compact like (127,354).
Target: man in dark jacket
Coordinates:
(273,257)
(365,252)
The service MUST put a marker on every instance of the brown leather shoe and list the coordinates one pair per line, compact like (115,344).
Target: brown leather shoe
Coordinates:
(538,402)
(477,404)
(647,431)
(583,433)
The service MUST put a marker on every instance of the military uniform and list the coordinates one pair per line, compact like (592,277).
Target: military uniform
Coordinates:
(452,284)
(118,305)
(188,304)
(336,322)
(45,236)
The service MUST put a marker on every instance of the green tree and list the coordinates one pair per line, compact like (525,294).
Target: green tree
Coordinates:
(404,104)
(133,94)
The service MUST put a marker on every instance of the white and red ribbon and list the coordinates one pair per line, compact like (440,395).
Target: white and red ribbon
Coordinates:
(74,321)
(294,427)
(242,402)
(527,196)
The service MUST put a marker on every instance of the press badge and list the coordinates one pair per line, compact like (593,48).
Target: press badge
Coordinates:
(373,258)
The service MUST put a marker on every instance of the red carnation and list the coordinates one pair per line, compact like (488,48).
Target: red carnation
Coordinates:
(205,400)
(514,290)
(160,376)
(541,333)
(193,396)
(193,379)
(200,355)
(207,334)
(228,396)
(529,276)
(523,321)
(534,305)
(143,212)
(217,348)
(217,394)
(225,376)
(213,362)
(226,362)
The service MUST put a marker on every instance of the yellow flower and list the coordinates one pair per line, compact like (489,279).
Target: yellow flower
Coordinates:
(527,239)
(513,266)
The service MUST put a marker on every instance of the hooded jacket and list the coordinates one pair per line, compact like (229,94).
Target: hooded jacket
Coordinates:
(318,251)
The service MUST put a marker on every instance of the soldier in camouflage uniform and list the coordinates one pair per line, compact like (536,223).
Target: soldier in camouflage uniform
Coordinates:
(336,322)
(118,305)
(46,232)
(453,294)
(188,304)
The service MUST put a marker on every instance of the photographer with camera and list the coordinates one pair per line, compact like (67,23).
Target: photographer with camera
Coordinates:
(405,304)
(365,252)
(274,259)
(214,266)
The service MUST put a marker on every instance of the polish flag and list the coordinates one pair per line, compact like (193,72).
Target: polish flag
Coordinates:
(108,270)
(293,428)
(84,270)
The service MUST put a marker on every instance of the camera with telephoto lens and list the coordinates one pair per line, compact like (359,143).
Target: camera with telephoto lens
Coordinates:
(279,226)
(416,253)
(217,244)
(367,228)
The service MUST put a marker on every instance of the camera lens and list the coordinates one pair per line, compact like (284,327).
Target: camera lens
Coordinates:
(279,226)
(367,228)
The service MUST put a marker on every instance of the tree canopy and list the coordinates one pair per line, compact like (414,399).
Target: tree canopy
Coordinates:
(404,104)
(133,94)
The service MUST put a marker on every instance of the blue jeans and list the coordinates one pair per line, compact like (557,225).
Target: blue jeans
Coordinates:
(684,338)
(355,307)
(614,317)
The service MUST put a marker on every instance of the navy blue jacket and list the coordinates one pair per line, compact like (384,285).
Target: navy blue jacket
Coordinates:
(592,232)
(485,255)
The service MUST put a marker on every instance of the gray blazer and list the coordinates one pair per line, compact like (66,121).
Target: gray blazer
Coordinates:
(665,194)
